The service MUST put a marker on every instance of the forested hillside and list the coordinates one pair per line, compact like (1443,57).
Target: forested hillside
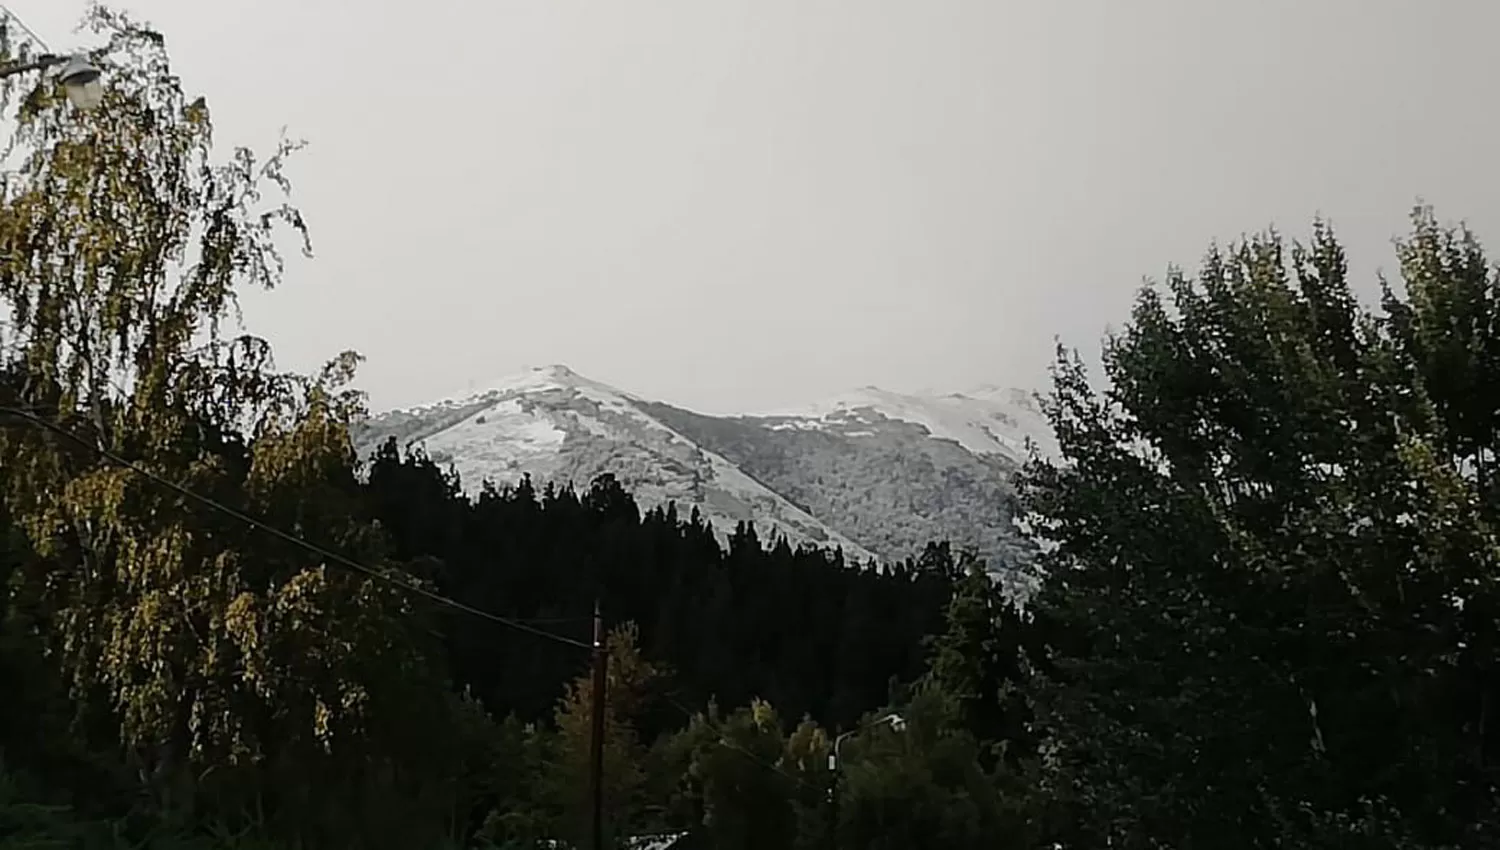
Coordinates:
(797,628)
(881,481)
(876,474)
(559,427)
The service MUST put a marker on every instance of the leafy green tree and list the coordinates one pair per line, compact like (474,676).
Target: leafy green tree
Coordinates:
(507,774)
(235,670)
(1448,327)
(805,759)
(30,735)
(1272,565)
(922,786)
(627,686)
(744,784)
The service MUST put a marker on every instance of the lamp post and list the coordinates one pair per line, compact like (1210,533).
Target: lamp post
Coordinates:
(896,722)
(80,78)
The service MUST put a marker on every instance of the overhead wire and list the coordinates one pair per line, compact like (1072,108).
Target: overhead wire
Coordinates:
(725,741)
(320,551)
(521,625)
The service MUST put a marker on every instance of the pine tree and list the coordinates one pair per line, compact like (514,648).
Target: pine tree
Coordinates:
(979,661)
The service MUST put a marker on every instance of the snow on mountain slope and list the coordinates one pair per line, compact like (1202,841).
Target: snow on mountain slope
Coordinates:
(556,425)
(987,421)
(879,473)
(893,472)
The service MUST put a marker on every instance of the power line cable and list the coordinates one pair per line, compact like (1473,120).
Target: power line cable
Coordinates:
(252,522)
(719,729)
(724,741)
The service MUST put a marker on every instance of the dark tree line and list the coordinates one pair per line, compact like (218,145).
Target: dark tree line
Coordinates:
(753,619)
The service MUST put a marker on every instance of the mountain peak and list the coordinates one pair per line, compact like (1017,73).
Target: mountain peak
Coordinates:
(554,376)
(555,425)
(873,471)
(556,371)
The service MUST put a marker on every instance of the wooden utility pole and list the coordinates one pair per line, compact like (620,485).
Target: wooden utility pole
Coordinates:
(833,799)
(596,742)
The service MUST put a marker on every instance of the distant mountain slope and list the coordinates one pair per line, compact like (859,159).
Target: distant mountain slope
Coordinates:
(887,483)
(988,421)
(878,473)
(556,425)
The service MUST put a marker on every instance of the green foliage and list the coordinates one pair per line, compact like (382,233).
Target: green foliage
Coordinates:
(747,795)
(627,683)
(797,628)
(234,671)
(902,487)
(981,662)
(27,825)
(921,787)
(1274,560)
(1269,616)
(505,780)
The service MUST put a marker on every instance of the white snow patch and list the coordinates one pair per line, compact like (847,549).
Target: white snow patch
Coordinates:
(989,420)
(498,444)
(508,438)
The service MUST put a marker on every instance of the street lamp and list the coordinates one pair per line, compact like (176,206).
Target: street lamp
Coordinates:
(80,77)
(896,722)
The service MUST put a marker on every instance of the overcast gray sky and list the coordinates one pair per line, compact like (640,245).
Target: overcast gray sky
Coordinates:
(740,204)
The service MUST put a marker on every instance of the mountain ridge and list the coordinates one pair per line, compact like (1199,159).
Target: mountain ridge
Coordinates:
(875,473)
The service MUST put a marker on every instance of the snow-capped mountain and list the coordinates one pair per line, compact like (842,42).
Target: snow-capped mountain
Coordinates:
(877,473)
(986,421)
